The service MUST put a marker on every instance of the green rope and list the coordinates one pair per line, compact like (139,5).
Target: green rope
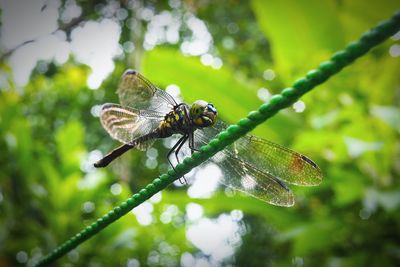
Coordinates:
(287,97)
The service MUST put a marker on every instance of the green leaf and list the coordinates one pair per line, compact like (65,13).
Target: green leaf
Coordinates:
(349,186)
(390,115)
(301,32)
(70,143)
(359,15)
(314,237)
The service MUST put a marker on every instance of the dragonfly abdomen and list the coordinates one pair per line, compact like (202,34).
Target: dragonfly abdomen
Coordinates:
(147,137)
(136,143)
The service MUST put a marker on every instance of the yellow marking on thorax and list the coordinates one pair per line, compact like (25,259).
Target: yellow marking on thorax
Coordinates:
(198,121)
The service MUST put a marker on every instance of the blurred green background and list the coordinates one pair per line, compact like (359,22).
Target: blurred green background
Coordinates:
(60,60)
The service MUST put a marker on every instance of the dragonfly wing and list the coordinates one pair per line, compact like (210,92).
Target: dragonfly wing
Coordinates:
(287,165)
(126,124)
(281,162)
(244,177)
(136,91)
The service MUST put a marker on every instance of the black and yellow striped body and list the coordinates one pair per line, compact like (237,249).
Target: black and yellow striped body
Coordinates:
(183,119)
(176,121)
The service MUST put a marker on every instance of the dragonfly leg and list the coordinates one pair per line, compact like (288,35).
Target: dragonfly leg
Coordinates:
(173,149)
(184,139)
(191,143)
(176,148)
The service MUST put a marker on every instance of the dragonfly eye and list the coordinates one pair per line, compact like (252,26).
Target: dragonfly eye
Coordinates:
(130,72)
(210,107)
(203,114)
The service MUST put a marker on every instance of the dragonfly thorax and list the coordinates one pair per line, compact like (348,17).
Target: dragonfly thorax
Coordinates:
(176,121)
(203,114)
(184,118)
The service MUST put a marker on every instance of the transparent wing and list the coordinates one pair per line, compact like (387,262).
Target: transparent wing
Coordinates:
(281,162)
(260,168)
(136,91)
(126,124)
(244,177)
(287,165)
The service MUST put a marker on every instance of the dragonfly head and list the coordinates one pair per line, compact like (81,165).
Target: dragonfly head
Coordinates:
(203,114)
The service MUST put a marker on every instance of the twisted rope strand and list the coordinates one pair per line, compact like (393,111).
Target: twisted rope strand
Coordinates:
(288,96)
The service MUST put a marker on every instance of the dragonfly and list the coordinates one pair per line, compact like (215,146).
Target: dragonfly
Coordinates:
(252,165)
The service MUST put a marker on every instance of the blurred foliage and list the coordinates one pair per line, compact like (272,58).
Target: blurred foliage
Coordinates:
(350,127)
